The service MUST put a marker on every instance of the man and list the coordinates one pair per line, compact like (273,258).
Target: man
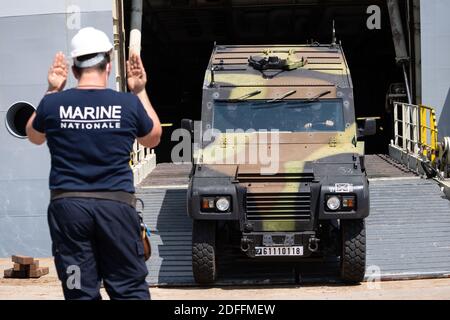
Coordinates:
(90,131)
(318,116)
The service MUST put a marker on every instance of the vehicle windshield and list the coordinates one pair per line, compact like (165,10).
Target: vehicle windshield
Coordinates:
(285,115)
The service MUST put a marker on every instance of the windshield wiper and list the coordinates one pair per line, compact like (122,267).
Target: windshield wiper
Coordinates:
(243,98)
(249,95)
(281,98)
(320,95)
(284,96)
(313,99)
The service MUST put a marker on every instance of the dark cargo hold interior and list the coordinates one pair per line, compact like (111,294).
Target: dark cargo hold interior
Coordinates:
(178,37)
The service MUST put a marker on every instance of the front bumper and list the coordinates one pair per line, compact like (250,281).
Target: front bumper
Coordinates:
(307,240)
(257,213)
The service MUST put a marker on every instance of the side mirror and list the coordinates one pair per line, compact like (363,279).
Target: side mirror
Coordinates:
(369,129)
(187,124)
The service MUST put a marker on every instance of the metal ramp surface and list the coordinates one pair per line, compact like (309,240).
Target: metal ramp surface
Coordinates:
(408,230)
(408,237)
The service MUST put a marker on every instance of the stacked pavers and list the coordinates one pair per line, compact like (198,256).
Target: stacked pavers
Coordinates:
(25,267)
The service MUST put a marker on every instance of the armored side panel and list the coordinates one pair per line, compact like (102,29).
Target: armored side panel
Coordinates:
(31,32)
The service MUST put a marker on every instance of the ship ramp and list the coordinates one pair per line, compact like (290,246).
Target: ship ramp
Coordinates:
(408,232)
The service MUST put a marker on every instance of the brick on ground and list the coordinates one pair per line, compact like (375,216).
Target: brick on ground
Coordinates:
(39,272)
(23,260)
(10,273)
(26,267)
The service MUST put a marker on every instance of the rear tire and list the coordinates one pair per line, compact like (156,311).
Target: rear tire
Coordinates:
(204,251)
(353,256)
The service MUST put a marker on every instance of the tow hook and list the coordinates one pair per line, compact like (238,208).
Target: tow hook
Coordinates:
(245,244)
(313,245)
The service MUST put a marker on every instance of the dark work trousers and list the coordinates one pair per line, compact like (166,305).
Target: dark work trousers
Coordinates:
(95,240)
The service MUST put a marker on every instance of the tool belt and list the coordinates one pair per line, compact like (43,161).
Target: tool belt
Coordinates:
(120,196)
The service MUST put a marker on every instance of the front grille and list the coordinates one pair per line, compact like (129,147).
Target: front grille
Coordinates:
(278,206)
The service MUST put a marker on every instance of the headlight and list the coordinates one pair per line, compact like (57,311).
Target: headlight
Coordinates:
(215,204)
(333,203)
(223,204)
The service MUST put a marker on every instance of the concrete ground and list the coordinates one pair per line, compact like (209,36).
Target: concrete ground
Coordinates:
(48,288)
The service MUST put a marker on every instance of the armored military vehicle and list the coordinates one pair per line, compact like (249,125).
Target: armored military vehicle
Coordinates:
(309,195)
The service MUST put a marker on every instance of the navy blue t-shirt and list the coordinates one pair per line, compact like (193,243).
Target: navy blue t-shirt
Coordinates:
(90,134)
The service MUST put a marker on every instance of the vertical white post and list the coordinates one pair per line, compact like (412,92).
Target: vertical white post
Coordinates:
(416,129)
(404,128)
(396,124)
(136,26)
(144,158)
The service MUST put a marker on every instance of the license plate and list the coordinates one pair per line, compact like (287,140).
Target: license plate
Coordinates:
(278,251)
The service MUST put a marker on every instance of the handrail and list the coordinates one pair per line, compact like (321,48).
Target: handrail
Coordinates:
(139,154)
(415,130)
(406,127)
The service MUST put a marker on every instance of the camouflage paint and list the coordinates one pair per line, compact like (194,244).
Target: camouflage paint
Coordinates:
(325,70)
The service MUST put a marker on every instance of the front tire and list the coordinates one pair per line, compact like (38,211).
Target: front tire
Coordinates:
(353,256)
(204,251)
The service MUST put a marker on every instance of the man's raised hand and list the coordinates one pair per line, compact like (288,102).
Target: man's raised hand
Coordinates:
(57,74)
(136,75)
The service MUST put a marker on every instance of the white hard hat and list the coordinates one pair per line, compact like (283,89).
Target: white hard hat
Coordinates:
(89,41)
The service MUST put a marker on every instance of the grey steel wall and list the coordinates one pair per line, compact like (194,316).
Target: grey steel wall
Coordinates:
(435,42)
(31,32)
